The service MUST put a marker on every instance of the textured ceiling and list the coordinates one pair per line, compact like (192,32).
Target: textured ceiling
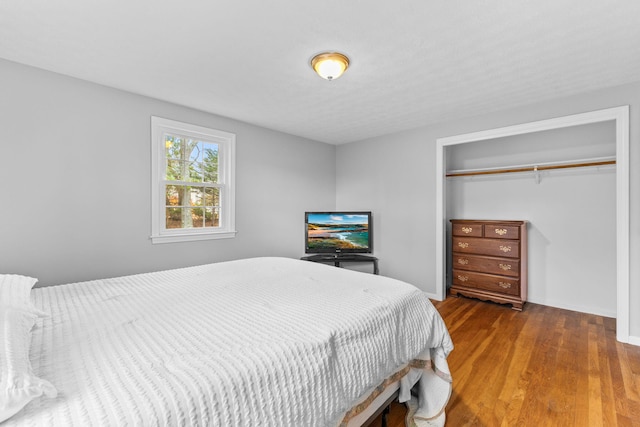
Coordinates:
(413,62)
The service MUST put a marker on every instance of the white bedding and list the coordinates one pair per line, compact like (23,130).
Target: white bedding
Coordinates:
(256,342)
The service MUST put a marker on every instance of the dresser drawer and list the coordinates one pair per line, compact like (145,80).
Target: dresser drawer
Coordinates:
(472,230)
(489,282)
(493,247)
(505,266)
(492,231)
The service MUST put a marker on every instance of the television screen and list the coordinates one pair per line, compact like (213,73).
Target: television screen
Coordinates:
(338,232)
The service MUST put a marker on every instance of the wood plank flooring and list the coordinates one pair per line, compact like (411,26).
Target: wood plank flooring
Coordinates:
(540,367)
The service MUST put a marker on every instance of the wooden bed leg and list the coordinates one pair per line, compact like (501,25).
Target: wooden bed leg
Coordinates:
(384,415)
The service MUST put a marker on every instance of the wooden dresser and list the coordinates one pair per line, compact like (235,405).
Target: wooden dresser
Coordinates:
(489,260)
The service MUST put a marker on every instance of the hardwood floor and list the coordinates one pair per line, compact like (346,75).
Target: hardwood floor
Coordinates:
(540,367)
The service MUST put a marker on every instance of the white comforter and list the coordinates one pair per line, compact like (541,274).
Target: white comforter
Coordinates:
(256,342)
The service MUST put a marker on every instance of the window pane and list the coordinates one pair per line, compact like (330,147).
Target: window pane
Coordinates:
(198,217)
(210,162)
(212,217)
(211,197)
(172,195)
(177,195)
(172,170)
(195,150)
(173,147)
(195,172)
(196,196)
(174,218)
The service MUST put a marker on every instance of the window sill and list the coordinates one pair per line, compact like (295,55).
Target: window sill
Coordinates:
(175,238)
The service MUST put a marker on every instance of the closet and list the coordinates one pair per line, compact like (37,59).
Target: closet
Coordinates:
(563,183)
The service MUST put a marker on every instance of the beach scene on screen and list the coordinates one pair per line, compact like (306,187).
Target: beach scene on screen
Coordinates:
(337,231)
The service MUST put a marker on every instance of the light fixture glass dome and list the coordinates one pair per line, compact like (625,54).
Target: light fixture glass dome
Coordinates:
(330,65)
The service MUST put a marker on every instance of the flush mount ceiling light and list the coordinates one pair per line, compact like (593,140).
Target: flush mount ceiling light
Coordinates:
(330,65)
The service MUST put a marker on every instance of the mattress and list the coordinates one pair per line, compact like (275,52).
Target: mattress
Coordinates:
(254,342)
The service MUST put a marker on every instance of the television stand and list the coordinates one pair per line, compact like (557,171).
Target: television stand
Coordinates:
(338,259)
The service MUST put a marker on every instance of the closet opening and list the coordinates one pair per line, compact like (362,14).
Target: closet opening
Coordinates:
(535,166)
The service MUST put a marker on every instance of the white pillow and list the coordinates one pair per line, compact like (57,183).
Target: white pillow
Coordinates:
(15,290)
(18,384)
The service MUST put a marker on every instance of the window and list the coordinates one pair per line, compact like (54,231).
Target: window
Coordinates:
(193,195)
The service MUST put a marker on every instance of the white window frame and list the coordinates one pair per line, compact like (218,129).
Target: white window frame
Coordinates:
(226,177)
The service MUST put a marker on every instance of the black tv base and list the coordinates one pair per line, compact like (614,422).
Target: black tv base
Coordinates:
(338,259)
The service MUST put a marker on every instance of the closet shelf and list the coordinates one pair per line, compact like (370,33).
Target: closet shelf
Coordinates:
(600,161)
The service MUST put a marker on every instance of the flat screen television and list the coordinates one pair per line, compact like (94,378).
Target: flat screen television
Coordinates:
(338,232)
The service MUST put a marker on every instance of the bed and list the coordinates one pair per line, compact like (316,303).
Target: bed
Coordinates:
(253,342)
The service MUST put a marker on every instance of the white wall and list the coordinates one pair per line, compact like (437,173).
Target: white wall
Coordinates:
(572,231)
(394,175)
(75,182)
(556,145)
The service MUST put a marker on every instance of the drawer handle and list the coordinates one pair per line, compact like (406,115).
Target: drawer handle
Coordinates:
(464,245)
(505,267)
(462,278)
(501,231)
(467,230)
(504,285)
(505,249)
(463,261)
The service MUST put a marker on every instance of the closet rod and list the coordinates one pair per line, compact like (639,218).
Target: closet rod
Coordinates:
(532,168)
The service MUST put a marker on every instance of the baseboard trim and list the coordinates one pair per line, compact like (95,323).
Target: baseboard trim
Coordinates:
(433,296)
(634,340)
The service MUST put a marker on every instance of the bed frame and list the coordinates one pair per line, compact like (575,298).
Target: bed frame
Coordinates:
(380,405)
(384,410)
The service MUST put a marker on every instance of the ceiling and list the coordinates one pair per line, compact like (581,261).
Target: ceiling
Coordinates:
(413,62)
